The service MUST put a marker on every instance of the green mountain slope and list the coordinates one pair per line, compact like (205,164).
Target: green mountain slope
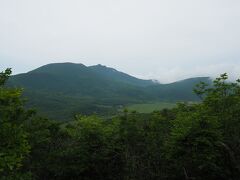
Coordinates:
(178,91)
(115,75)
(63,89)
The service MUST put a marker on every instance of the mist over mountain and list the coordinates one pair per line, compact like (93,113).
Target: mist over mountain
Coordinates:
(62,89)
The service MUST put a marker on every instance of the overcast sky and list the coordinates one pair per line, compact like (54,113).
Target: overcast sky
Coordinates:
(166,40)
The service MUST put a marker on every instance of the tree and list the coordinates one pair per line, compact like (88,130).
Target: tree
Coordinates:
(223,101)
(194,143)
(13,139)
(204,141)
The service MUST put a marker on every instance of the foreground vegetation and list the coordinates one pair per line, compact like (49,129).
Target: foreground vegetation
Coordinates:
(192,141)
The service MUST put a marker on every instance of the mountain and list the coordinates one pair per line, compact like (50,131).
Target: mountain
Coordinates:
(61,90)
(115,75)
(78,79)
(178,91)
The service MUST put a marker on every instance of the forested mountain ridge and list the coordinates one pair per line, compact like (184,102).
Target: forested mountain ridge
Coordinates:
(120,76)
(64,89)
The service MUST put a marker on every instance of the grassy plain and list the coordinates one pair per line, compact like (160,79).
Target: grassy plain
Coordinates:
(150,107)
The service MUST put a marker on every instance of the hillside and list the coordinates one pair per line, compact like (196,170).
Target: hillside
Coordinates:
(63,89)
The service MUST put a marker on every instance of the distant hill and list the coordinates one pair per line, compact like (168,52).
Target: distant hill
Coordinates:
(178,91)
(63,89)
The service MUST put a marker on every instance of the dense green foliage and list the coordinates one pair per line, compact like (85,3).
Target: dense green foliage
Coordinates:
(191,141)
(14,146)
(61,90)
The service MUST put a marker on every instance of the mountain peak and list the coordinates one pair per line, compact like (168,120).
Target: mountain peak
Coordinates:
(103,68)
(59,67)
(100,65)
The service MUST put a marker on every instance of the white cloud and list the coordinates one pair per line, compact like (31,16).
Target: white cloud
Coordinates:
(168,75)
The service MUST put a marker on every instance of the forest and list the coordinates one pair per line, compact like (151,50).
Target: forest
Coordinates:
(192,141)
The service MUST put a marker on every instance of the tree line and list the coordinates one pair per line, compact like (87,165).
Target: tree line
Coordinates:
(192,141)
